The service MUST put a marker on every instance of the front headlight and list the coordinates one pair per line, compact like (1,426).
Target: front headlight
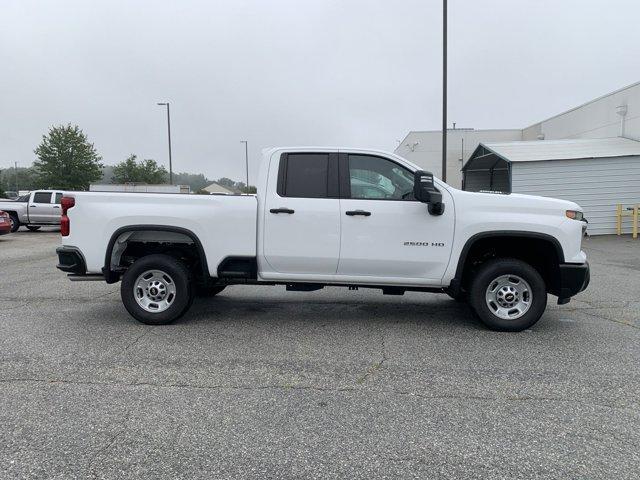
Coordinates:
(574,215)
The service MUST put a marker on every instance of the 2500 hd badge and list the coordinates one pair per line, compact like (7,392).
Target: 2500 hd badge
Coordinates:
(423,244)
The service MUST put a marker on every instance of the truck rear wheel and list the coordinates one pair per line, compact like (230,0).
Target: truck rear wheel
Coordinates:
(157,289)
(15,222)
(508,295)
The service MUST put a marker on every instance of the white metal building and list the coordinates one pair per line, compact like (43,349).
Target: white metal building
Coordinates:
(423,148)
(616,114)
(595,173)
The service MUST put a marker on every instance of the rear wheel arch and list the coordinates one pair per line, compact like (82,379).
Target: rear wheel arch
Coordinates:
(542,251)
(114,252)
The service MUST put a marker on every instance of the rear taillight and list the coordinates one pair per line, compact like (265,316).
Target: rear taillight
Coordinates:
(65,225)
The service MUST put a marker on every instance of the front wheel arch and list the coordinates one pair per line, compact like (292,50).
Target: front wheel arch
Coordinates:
(542,251)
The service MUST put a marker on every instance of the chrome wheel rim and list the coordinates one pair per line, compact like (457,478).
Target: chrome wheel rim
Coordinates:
(509,297)
(154,291)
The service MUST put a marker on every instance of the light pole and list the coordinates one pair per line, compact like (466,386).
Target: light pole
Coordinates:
(246,159)
(444,90)
(169,135)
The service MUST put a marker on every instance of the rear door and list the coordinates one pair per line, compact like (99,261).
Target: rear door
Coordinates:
(385,232)
(302,214)
(40,207)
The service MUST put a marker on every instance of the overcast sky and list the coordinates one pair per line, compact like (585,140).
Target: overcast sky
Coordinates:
(303,72)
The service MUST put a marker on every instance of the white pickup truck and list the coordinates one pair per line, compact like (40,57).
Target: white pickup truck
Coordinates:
(329,216)
(33,210)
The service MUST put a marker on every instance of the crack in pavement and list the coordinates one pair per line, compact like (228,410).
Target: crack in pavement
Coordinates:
(377,365)
(112,440)
(600,317)
(146,332)
(286,387)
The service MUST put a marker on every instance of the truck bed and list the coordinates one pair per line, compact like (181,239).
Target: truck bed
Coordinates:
(225,225)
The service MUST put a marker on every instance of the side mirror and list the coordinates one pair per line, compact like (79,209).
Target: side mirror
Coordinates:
(425,191)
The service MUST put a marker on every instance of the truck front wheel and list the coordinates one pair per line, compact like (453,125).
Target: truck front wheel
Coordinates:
(157,289)
(508,295)
(15,222)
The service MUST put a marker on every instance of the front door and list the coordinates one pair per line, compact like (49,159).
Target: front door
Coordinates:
(302,215)
(40,208)
(385,232)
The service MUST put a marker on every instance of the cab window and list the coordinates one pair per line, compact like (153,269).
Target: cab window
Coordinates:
(42,197)
(377,178)
(308,175)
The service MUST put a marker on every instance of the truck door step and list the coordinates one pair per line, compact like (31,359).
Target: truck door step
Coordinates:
(393,291)
(304,287)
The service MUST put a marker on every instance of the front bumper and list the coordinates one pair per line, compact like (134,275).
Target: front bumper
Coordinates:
(574,278)
(70,260)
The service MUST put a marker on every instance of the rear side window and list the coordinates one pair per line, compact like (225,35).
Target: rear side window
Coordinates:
(304,175)
(58,198)
(42,197)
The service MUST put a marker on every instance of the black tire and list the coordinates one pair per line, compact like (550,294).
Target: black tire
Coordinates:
(15,222)
(178,273)
(490,272)
(33,228)
(209,290)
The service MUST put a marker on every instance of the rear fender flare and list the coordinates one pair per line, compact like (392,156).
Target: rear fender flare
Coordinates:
(112,277)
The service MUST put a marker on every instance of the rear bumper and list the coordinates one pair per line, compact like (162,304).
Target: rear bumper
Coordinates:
(70,260)
(574,278)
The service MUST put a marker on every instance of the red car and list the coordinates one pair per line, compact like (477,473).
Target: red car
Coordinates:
(5,223)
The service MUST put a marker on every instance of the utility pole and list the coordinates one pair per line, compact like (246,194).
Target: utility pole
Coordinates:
(246,159)
(444,90)
(15,169)
(169,135)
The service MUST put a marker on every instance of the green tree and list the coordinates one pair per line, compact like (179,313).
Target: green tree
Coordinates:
(26,179)
(227,183)
(145,171)
(66,159)
(195,181)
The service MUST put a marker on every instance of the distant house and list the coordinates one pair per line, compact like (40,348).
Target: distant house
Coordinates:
(217,189)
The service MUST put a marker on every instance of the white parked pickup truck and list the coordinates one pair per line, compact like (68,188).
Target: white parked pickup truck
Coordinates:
(330,216)
(35,209)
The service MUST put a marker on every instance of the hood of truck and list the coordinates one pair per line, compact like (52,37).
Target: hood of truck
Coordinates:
(514,202)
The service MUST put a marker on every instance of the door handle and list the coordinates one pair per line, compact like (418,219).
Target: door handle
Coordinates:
(282,210)
(32,206)
(56,206)
(364,213)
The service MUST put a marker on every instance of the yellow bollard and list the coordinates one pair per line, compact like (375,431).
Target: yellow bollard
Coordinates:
(633,212)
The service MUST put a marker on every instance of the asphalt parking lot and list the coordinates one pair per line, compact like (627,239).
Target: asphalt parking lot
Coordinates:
(264,383)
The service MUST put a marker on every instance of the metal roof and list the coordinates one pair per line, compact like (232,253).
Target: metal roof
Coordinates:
(539,150)
(217,188)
